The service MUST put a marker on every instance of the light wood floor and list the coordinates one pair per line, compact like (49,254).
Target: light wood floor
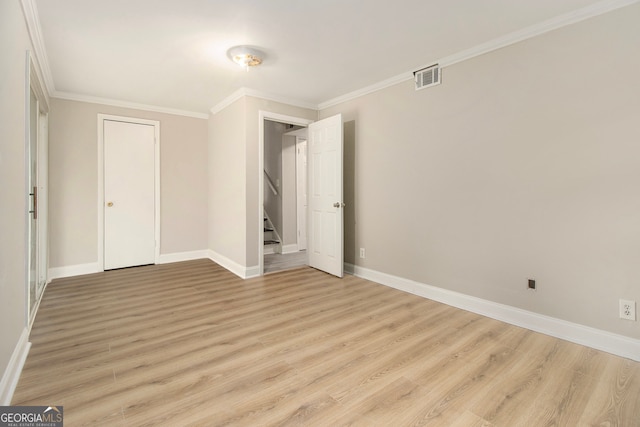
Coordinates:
(191,344)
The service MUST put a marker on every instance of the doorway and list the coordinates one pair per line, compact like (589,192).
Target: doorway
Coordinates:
(129,196)
(278,138)
(325,218)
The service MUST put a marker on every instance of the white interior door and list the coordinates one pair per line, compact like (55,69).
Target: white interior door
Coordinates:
(129,194)
(325,219)
(301,190)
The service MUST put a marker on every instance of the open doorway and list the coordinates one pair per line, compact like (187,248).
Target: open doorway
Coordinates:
(282,158)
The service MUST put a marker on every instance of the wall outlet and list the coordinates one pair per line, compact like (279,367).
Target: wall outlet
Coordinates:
(627,309)
(361,252)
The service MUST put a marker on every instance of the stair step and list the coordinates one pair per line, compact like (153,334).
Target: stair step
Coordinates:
(267,229)
(271,242)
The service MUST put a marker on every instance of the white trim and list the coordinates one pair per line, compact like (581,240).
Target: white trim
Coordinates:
(282,118)
(156,126)
(237,269)
(367,90)
(573,332)
(238,94)
(27,190)
(126,104)
(73,270)
(251,272)
(536,30)
(243,91)
(32,20)
(497,43)
(290,249)
(12,373)
(182,256)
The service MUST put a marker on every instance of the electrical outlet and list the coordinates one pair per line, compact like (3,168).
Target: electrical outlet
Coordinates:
(627,309)
(361,252)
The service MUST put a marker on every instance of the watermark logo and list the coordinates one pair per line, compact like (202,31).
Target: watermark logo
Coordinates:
(31,416)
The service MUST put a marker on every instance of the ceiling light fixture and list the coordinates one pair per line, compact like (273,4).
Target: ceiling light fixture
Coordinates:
(245,56)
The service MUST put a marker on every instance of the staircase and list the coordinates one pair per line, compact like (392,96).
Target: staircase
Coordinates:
(271,239)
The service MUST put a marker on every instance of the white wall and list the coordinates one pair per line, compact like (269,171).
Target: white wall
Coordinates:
(14,43)
(273,165)
(524,163)
(288,190)
(73,181)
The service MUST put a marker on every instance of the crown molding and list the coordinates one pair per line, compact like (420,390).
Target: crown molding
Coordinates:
(532,31)
(560,21)
(367,90)
(126,104)
(243,91)
(30,12)
(228,100)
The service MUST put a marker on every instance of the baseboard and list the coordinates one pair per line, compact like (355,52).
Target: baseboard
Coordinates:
(90,268)
(73,270)
(237,269)
(250,272)
(573,332)
(289,249)
(182,256)
(14,368)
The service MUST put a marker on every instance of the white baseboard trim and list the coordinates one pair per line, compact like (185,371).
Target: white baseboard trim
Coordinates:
(73,270)
(237,269)
(289,249)
(14,369)
(573,332)
(251,272)
(182,256)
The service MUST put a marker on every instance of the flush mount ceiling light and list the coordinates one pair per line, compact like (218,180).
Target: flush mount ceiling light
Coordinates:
(245,56)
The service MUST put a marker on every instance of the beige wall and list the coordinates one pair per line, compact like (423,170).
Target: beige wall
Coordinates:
(233,172)
(227,182)
(523,163)
(14,42)
(73,170)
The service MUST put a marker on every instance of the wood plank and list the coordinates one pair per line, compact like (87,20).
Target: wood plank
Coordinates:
(191,344)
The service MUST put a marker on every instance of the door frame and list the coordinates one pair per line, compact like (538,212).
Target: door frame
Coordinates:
(301,214)
(281,118)
(156,168)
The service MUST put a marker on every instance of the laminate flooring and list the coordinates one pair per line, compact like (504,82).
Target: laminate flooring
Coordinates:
(190,344)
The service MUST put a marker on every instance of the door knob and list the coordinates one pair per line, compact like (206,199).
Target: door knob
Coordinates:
(110,204)
(338,205)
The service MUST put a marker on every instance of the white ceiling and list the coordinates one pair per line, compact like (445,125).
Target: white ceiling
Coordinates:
(172,53)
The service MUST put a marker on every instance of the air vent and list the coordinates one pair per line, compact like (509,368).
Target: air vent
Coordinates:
(427,77)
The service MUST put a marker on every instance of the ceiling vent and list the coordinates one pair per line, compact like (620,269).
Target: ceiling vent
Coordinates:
(427,77)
